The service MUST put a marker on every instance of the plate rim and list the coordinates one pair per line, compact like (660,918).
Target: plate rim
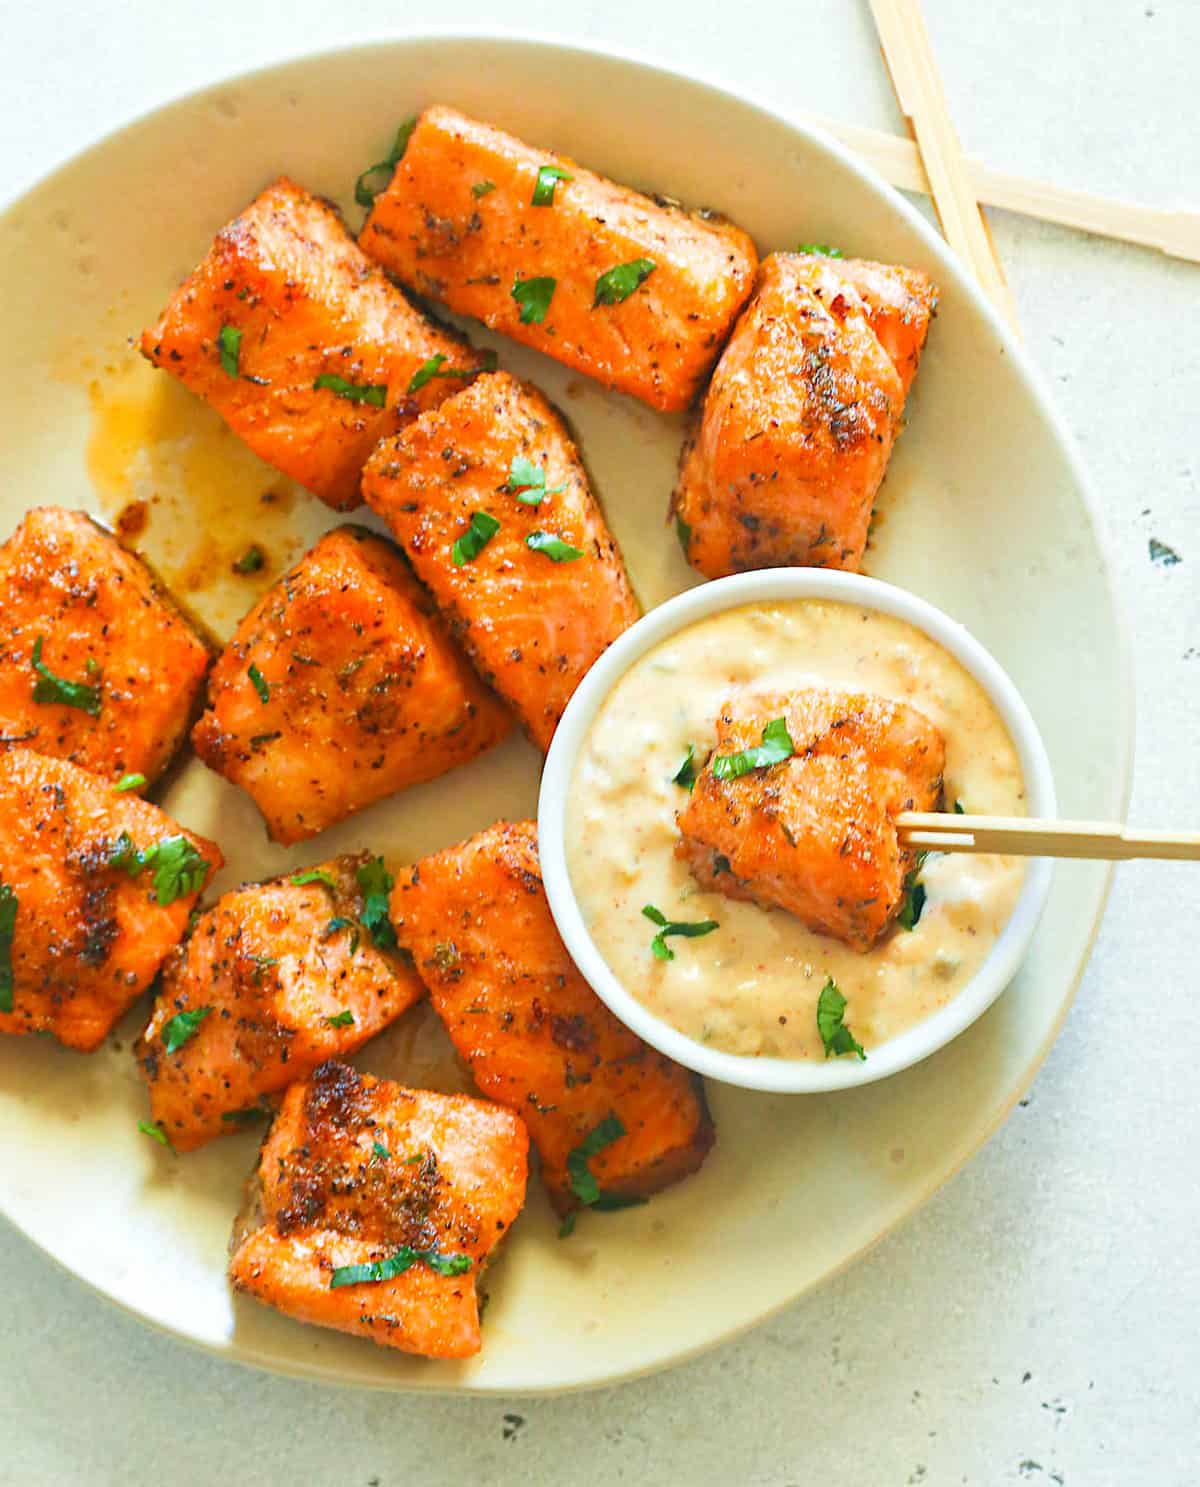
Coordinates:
(520,38)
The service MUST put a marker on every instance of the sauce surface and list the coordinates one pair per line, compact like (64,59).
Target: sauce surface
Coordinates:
(751,987)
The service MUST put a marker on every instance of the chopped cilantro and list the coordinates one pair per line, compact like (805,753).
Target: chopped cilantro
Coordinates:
(479,533)
(154,1130)
(776,746)
(179,869)
(1161,553)
(379,1152)
(580,1175)
(684,533)
(553,547)
(836,1036)
(178,1029)
(396,1264)
(375,884)
(374,393)
(363,194)
(129,782)
(533,296)
(690,931)
(620,282)
(259,682)
(527,482)
(481,188)
(685,775)
(436,367)
(51,688)
(547,178)
(958,808)
(229,345)
(344,1018)
(913,901)
(313,875)
(8,924)
(251,560)
(332,928)
(242,1117)
(821,250)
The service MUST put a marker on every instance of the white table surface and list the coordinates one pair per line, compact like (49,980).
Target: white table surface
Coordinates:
(1037,1322)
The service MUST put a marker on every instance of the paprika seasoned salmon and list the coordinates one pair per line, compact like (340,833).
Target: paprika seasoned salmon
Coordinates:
(783,462)
(814,833)
(96,887)
(341,686)
(612,1119)
(97,666)
(374,1210)
(272,980)
(302,345)
(489,499)
(631,290)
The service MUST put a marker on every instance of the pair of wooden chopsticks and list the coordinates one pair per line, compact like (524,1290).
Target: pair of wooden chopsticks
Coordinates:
(954,185)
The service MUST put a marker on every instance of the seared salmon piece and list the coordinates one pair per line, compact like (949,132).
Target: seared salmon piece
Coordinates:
(374,1209)
(533,619)
(96,887)
(97,666)
(341,686)
(535,1035)
(784,459)
(302,345)
(272,980)
(816,833)
(631,290)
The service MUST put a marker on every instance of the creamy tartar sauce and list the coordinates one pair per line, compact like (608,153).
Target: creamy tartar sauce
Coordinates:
(751,986)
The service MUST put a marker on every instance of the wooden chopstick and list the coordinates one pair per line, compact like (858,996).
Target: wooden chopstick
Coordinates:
(1025,836)
(914,74)
(898,161)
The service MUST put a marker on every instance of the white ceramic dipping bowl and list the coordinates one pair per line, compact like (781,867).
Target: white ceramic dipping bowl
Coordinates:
(798,1076)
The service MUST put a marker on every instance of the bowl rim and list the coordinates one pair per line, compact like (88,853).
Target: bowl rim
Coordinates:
(778,1075)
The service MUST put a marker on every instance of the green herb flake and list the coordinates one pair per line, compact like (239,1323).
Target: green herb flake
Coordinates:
(259,682)
(243,1117)
(344,1018)
(547,178)
(820,250)
(836,1036)
(375,884)
(958,808)
(552,547)
(179,869)
(331,929)
(313,875)
(689,930)
(179,1029)
(229,345)
(479,533)
(379,1152)
(567,1227)
(262,964)
(51,688)
(156,1133)
(582,1179)
(363,193)
(620,282)
(776,746)
(912,903)
(436,367)
(396,1264)
(684,534)
(8,924)
(527,482)
(685,775)
(374,393)
(533,296)
(481,188)
(1162,554)
(251,561)
(129,782)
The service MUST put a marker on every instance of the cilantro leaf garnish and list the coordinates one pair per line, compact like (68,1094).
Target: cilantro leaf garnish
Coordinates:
(683,533)
(527,482)
(363,194)
(479,533)
(129,782)
(579,1174)
(154,1130)
(958,808)
(8,924)
(821,250)
(242,1117)
(533,296)
(1161,553)
(685,775)
(481,188)
(375,884)
(831,1010)
(313,875)
(229,345)
(374,393)
(178,1029)
(338,923)
(344,1018)
(547,178)
(51,688)
(776,746)
(251,560)
(379,1152)
(553,547)
(179,869)
(913,901)
(689,930)
(259,682)
(436,367)
(396,1264)
(620,282)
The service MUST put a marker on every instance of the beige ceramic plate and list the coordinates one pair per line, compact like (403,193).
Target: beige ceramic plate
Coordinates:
(985,512)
